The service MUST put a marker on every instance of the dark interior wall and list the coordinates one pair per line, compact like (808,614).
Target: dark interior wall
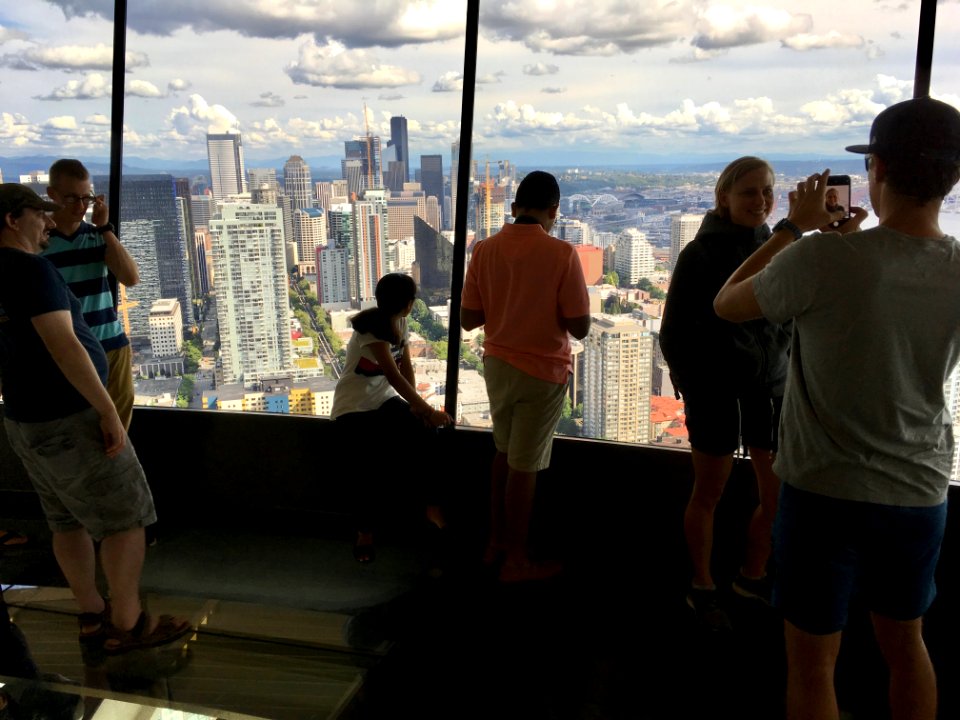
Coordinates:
(613,510)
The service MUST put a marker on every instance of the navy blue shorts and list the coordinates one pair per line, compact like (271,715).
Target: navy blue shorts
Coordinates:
(719,423)
(829,550)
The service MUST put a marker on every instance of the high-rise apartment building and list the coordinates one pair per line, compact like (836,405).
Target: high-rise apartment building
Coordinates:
(323,190)
(333,277)
(683,229)
(166,328)
(310,231)
(618,365)
(253,310)
(634,258)
(370,234)
(402,208)
(228,175)
(298,184)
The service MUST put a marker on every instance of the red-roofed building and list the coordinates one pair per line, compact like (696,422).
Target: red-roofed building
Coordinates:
(667,421)
(591,260)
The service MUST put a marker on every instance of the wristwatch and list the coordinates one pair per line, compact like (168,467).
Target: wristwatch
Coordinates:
(787,225)
(101,229)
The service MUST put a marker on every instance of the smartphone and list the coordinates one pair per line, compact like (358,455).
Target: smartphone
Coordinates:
(838,196)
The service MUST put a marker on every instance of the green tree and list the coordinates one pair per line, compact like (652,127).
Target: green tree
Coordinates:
(185,391)
(612,278)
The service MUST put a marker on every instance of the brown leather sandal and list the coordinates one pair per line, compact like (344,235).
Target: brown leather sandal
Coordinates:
(89,619)
(168,629)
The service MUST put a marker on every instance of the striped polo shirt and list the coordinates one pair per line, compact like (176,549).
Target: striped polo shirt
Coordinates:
(81,260)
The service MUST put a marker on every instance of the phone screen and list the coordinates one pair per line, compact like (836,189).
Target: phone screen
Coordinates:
(838,194)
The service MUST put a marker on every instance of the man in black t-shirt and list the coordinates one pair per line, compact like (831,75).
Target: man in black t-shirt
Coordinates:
(63,425)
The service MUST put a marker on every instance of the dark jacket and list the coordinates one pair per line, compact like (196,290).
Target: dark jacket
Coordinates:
(703,352)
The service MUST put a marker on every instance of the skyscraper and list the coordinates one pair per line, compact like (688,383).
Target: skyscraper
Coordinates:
(454,179)
(431,176)
(227,173)
(263,177)
(310,231)
(634,257)
(683,229)
(369,244)
(333,277)
(367,174)
(251,287)
(618,367)
(152,228)
(399,173)
(297,183)
(434,258)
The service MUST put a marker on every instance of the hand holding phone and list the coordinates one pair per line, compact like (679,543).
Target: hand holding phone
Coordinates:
(838,199)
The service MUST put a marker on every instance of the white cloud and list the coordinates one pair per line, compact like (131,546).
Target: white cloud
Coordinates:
(333,65)
(391,96)
(540,68)
(553,90)
(386,23)
(491,78)
(724,26)
(78,57)
(450,81)
(833,39)
(143,88)
(17,131)
(178,85)
(8,34)
(92,87)
(573,27)
(201,117)
(269,99)
(61,122)
(96,119)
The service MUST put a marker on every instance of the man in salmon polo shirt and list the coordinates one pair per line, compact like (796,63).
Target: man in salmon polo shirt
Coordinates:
(527,289)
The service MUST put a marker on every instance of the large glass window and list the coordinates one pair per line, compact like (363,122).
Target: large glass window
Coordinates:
(278,162)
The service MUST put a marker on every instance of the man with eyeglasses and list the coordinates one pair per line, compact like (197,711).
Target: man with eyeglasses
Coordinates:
(866,440)
(84,253)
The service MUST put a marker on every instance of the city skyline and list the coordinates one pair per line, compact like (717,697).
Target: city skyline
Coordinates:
(695,78)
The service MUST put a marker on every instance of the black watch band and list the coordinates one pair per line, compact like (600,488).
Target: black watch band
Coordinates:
(787,225)
(105,228)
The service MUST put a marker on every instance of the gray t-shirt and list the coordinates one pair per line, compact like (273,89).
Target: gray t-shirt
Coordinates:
(876,334)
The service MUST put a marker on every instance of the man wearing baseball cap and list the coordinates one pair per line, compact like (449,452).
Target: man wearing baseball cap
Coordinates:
(865,438)
(63,425)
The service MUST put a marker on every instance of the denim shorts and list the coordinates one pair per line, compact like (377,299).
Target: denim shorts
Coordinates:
(829,551)
(79,486)
(717,423)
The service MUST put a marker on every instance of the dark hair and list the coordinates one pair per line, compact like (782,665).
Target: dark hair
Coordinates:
(394,292)
(921,178)
(67,168)
(538,191)
(731,174)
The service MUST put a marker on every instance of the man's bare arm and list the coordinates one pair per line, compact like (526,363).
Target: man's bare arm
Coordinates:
(56,331)
(470,319)
(120,262)
(577,326)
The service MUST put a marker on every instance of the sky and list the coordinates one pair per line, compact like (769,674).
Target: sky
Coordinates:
(558,80)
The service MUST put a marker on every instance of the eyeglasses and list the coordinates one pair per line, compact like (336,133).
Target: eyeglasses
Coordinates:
(866,163)
(82,199)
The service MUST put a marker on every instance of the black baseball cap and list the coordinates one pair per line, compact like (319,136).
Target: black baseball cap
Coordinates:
(15,197)
(921,128)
